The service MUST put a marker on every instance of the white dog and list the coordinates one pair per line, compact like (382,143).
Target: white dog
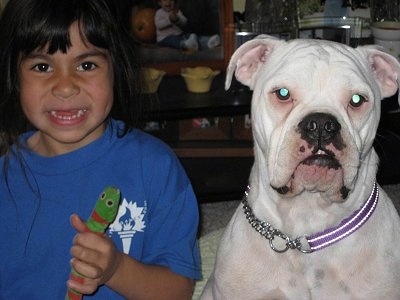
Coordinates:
(314,224)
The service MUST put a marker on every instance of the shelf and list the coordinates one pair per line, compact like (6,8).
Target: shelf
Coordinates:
(174,102)
(214,149)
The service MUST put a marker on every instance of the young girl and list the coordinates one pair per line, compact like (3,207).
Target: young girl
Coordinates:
(68,73)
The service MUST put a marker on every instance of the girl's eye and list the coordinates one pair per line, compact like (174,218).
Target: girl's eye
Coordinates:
(357,100)
(42,68)
(283,94)
(86,66)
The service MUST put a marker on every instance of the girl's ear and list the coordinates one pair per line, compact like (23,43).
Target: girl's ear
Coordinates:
(247,60)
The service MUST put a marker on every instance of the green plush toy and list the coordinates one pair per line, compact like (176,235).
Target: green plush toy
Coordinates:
(102,216)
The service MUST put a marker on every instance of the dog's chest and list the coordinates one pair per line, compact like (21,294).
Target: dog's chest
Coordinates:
(325,274)
(297,280)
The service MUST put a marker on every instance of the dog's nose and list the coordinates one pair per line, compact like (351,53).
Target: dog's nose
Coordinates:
(319,127)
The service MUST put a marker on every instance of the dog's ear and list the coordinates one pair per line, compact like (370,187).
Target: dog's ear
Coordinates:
(248,59)
(386,69)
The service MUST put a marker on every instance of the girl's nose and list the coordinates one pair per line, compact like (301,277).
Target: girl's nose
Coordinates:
(65,88)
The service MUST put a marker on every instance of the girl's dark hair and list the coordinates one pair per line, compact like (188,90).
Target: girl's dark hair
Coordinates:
(27,25)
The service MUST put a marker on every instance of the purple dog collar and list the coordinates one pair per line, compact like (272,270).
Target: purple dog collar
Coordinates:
(318,241)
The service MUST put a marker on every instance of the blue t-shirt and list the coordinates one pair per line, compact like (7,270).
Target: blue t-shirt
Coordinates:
(156,222)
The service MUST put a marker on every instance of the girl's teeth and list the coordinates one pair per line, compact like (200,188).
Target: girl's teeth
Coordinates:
(68,115)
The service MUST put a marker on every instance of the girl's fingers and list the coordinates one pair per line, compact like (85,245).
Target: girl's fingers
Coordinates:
(89,271)
(88,257)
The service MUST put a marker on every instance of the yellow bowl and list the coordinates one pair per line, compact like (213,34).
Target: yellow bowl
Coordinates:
(198,79)
(152,78)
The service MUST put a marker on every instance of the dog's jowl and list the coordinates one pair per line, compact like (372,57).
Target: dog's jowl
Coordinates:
(314,224)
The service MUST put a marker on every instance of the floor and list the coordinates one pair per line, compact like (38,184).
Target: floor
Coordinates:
(216,215)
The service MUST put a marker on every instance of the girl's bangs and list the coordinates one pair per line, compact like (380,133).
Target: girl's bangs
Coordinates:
(52,32)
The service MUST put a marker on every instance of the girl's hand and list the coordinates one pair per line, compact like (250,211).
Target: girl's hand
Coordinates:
(94,256)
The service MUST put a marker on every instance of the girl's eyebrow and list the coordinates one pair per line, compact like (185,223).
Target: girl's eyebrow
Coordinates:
(33,55)
(91,53)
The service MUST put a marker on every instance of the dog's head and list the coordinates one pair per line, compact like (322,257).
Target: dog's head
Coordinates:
(315,111)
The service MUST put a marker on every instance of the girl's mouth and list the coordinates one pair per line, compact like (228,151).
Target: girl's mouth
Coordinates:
(68,115)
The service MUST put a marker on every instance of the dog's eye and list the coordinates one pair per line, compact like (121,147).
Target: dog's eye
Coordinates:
(357,100)
(282,94)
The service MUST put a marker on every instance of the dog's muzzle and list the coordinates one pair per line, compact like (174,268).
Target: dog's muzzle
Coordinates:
(319,154)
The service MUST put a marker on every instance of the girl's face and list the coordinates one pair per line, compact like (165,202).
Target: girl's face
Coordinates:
(66,96)
(167,5)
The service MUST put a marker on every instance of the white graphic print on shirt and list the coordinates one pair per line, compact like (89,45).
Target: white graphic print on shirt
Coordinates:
(128,221)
